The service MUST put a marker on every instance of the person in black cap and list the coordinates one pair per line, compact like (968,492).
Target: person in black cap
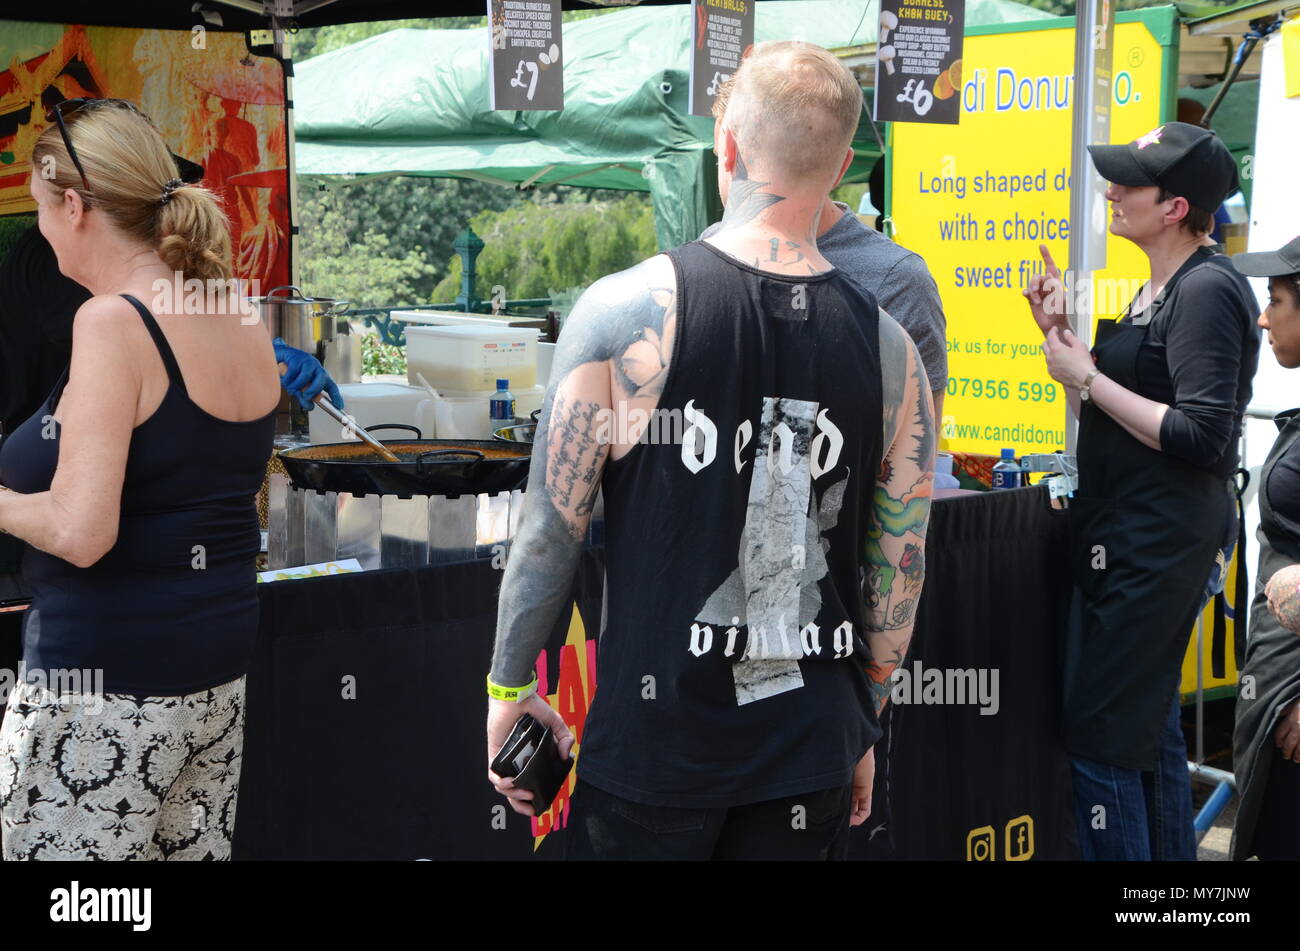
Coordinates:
(1266,738)
(1160,400)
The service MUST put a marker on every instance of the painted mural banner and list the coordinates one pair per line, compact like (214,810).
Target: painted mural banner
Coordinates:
(214,100)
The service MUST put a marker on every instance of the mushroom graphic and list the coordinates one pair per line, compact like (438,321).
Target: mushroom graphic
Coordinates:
(886,55)
(888,21)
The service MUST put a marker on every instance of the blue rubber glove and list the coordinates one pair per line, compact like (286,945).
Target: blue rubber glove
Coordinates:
(305,377)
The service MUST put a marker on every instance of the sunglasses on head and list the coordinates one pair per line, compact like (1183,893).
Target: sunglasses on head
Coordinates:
(56,112)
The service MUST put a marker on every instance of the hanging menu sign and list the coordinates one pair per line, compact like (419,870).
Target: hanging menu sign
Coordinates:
(524,55)
(722,31)
(918,61)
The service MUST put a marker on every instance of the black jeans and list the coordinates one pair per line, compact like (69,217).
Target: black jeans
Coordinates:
(809,827)
(1277,832)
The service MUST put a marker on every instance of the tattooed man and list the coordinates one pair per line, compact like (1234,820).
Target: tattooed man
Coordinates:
(763,435)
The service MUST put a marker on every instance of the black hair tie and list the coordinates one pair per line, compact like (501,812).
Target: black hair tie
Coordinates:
(170,189)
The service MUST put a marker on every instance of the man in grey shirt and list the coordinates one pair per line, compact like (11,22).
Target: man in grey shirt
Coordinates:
(896,277)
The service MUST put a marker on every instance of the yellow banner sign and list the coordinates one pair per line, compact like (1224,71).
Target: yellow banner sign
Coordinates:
(977,199)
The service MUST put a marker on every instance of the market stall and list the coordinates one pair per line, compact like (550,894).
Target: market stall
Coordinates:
(365,704)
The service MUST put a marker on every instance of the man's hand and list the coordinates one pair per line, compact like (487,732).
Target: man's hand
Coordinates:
(1287,735)
(864,777)
(502,715)
(1046,295)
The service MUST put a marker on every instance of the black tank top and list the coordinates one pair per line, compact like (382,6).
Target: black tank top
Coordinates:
(172,607)
(731,666)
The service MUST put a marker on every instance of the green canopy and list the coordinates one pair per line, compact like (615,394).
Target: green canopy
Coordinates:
(415,102)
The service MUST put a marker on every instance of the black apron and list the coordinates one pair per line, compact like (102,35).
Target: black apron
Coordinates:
(1145,527)
(1270,679)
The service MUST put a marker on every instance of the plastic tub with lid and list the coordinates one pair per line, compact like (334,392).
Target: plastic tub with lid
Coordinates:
(471,359)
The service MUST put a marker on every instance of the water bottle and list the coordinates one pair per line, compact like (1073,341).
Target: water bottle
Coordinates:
(1006,472)
(501,408)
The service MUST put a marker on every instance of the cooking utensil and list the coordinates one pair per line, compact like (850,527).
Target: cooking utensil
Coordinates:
(333,411)
(301,322)
(520,433)
(446,467)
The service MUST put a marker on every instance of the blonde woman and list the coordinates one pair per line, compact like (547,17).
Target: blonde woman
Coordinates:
(134,486)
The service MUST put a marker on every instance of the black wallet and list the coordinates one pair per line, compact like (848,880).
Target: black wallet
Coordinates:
(531,758)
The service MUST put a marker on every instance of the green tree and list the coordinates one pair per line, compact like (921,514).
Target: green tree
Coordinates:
(536,250)
(369,271)
(387,241)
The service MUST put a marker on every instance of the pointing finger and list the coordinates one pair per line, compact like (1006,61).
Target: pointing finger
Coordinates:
(1052,269)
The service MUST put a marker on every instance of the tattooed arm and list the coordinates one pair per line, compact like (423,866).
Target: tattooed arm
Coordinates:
(895,550)
(612,357)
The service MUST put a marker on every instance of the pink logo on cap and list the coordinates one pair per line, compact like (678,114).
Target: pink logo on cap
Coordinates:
(1151,138)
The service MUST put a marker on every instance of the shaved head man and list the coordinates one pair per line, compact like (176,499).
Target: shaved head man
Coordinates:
(896,277)
(763,435)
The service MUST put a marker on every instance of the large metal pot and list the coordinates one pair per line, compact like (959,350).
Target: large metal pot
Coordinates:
(446,467)
(300,321)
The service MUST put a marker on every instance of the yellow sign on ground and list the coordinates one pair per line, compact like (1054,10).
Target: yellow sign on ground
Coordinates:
(976,200)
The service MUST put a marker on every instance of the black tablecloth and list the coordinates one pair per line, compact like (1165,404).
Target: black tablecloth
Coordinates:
(953,783)
(365,716)
(400,771)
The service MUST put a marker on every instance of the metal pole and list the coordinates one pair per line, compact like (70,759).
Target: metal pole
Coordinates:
(1094,41)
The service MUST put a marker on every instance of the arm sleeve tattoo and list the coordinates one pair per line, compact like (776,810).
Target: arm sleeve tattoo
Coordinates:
(613,354)
(894,566)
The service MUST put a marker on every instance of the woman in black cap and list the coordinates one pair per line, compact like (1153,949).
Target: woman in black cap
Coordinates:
(1266,740)
(1160,411)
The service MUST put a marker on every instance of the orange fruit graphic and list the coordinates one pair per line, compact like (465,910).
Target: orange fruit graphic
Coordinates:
(943,87)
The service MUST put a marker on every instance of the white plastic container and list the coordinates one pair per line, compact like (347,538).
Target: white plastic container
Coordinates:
(545,357)
(471,359)
(468,415)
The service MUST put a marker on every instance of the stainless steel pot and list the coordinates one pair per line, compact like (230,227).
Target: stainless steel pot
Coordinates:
(301,321)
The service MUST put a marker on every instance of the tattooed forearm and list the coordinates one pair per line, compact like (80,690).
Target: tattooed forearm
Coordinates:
(574,456)
(895,548)
(879,673)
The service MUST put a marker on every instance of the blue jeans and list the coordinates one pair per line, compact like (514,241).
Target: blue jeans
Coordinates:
(1132,815)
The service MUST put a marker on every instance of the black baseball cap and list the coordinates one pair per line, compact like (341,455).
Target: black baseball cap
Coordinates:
(1187,160)
(1280,263)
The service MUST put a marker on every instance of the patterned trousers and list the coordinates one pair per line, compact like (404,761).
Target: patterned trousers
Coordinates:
(115,776)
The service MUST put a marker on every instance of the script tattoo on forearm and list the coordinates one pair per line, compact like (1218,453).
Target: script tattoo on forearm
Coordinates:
(573,470)
(895,549)
(615,349)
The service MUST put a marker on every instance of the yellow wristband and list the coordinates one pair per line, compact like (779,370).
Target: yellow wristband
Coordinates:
(511,694)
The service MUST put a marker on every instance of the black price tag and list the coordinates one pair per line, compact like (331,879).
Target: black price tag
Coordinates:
(525,51)
(722,31)
(918,61)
